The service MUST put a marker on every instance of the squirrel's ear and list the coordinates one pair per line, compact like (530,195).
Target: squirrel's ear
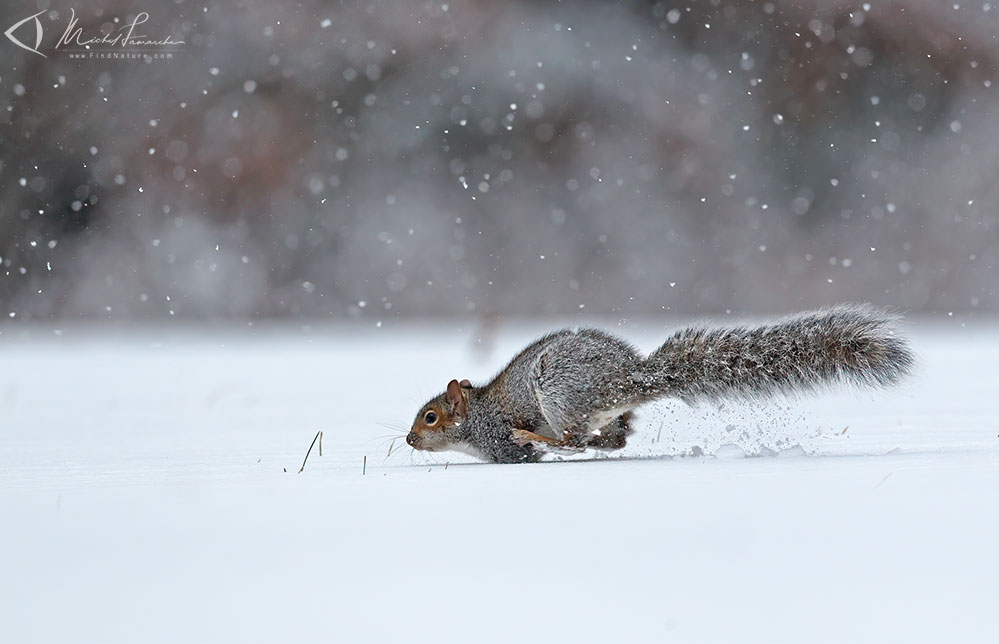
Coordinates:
(456,397)
(465,384)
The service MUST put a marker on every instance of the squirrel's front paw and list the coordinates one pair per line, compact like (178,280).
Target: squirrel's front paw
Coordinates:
(523,438)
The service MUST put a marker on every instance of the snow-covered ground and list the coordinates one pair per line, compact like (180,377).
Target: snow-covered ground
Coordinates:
(149,493)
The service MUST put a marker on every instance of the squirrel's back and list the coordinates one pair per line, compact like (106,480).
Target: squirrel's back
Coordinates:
(854,344)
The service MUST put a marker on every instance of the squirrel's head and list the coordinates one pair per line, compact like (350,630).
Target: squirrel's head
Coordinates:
(437,425)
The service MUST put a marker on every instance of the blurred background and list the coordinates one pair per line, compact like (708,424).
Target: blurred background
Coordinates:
(381,160)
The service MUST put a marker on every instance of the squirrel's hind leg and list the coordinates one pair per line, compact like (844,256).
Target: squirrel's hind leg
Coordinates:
(613,435)
(577,385)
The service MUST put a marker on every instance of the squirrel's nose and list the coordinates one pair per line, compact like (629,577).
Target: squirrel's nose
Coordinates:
(412,438)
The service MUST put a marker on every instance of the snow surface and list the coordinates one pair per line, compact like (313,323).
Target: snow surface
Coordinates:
(145,499)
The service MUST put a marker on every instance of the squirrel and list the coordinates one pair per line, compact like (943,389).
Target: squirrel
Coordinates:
(575,389)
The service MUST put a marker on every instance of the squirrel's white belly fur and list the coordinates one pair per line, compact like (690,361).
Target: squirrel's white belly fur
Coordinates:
(604,418)
(471,450)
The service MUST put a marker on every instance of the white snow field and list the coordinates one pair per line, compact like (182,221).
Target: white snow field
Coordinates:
(144,498)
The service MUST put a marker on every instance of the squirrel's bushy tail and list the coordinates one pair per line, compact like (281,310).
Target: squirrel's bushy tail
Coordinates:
(855,344)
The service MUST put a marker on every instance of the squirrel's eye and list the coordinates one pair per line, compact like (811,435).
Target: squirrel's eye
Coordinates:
(430,418)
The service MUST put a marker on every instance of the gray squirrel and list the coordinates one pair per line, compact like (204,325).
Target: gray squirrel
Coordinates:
(575,389)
